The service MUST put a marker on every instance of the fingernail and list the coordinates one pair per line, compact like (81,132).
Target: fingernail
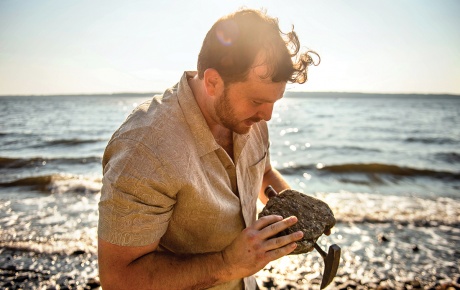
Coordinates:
(299,234)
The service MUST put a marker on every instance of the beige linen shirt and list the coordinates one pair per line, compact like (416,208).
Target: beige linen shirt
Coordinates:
(166,178)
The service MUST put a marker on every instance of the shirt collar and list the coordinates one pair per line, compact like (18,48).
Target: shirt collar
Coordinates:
(200,130)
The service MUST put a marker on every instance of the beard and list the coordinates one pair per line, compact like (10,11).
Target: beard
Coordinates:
(226,114)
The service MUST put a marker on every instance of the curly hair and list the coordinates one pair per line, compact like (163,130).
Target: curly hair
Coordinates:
(234,41)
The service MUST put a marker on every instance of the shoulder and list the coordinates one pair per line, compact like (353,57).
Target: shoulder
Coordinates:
(157,129)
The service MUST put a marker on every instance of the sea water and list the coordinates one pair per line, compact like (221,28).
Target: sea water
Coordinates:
(387,165)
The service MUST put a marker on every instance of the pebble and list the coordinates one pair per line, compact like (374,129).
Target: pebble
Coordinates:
(93,283)
(78,252)
(382,238)
(348,285)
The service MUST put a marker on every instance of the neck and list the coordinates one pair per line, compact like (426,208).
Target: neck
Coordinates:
(222,135)
(226,142)
(206,104)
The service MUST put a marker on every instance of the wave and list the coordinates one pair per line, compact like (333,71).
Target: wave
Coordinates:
(72,142)
(372,168)
(9,163)
(351,148)
(402,210)
(40,142)
(58,183)
(38,182)
(431,140)
(449,157)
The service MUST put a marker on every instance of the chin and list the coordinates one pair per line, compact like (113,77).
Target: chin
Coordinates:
(242,129)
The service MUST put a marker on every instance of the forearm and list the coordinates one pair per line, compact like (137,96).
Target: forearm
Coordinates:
(275,179)
(123,267)
(158,270)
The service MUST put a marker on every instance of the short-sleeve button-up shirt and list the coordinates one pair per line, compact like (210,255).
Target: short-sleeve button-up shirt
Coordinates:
(166,178)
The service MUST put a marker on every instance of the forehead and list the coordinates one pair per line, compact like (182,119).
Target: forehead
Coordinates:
(258,87)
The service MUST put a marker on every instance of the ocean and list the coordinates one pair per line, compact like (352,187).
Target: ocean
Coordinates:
(388,165)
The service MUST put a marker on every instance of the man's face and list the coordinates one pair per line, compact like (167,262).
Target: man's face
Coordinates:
(245,103)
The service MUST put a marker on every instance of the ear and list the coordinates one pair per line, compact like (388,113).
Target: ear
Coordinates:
(213,82)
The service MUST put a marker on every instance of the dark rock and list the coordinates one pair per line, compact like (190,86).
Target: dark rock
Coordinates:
(414,284)
(269,283)
(21,278)
(415,248)
(350,284)
(93,283)
(314,216)
(78,252)
(382,238)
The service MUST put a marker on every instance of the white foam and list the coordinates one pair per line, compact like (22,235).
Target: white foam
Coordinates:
(366,207)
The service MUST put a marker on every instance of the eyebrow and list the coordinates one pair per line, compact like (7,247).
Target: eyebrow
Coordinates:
(262,100)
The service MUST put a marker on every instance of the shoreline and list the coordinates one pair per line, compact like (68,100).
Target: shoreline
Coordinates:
(62,275)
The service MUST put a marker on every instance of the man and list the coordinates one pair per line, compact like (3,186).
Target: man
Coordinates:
(183,173)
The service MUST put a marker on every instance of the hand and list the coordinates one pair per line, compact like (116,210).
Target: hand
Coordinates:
(255,247)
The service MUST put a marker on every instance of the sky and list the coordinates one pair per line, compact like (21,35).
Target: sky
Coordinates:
(86,46)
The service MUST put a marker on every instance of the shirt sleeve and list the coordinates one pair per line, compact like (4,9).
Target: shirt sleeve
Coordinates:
(137,195)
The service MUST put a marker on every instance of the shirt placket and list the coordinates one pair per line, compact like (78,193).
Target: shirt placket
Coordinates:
(230,168)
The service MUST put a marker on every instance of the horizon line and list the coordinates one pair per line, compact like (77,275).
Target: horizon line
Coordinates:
(286,92)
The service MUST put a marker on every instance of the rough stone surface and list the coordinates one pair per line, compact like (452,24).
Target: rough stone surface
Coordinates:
(314,216)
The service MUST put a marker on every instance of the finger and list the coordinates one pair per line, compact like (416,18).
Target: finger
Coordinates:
(274,228)
(279,242)
(266,220)
(280,252)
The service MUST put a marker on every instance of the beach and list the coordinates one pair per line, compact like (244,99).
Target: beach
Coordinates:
(376,254)
(388,167)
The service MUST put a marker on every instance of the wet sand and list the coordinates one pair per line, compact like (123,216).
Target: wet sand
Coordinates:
(22,269)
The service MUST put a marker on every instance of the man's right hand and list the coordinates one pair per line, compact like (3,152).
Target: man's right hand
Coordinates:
(256,246)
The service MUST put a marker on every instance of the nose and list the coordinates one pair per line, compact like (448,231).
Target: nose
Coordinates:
(266,111)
